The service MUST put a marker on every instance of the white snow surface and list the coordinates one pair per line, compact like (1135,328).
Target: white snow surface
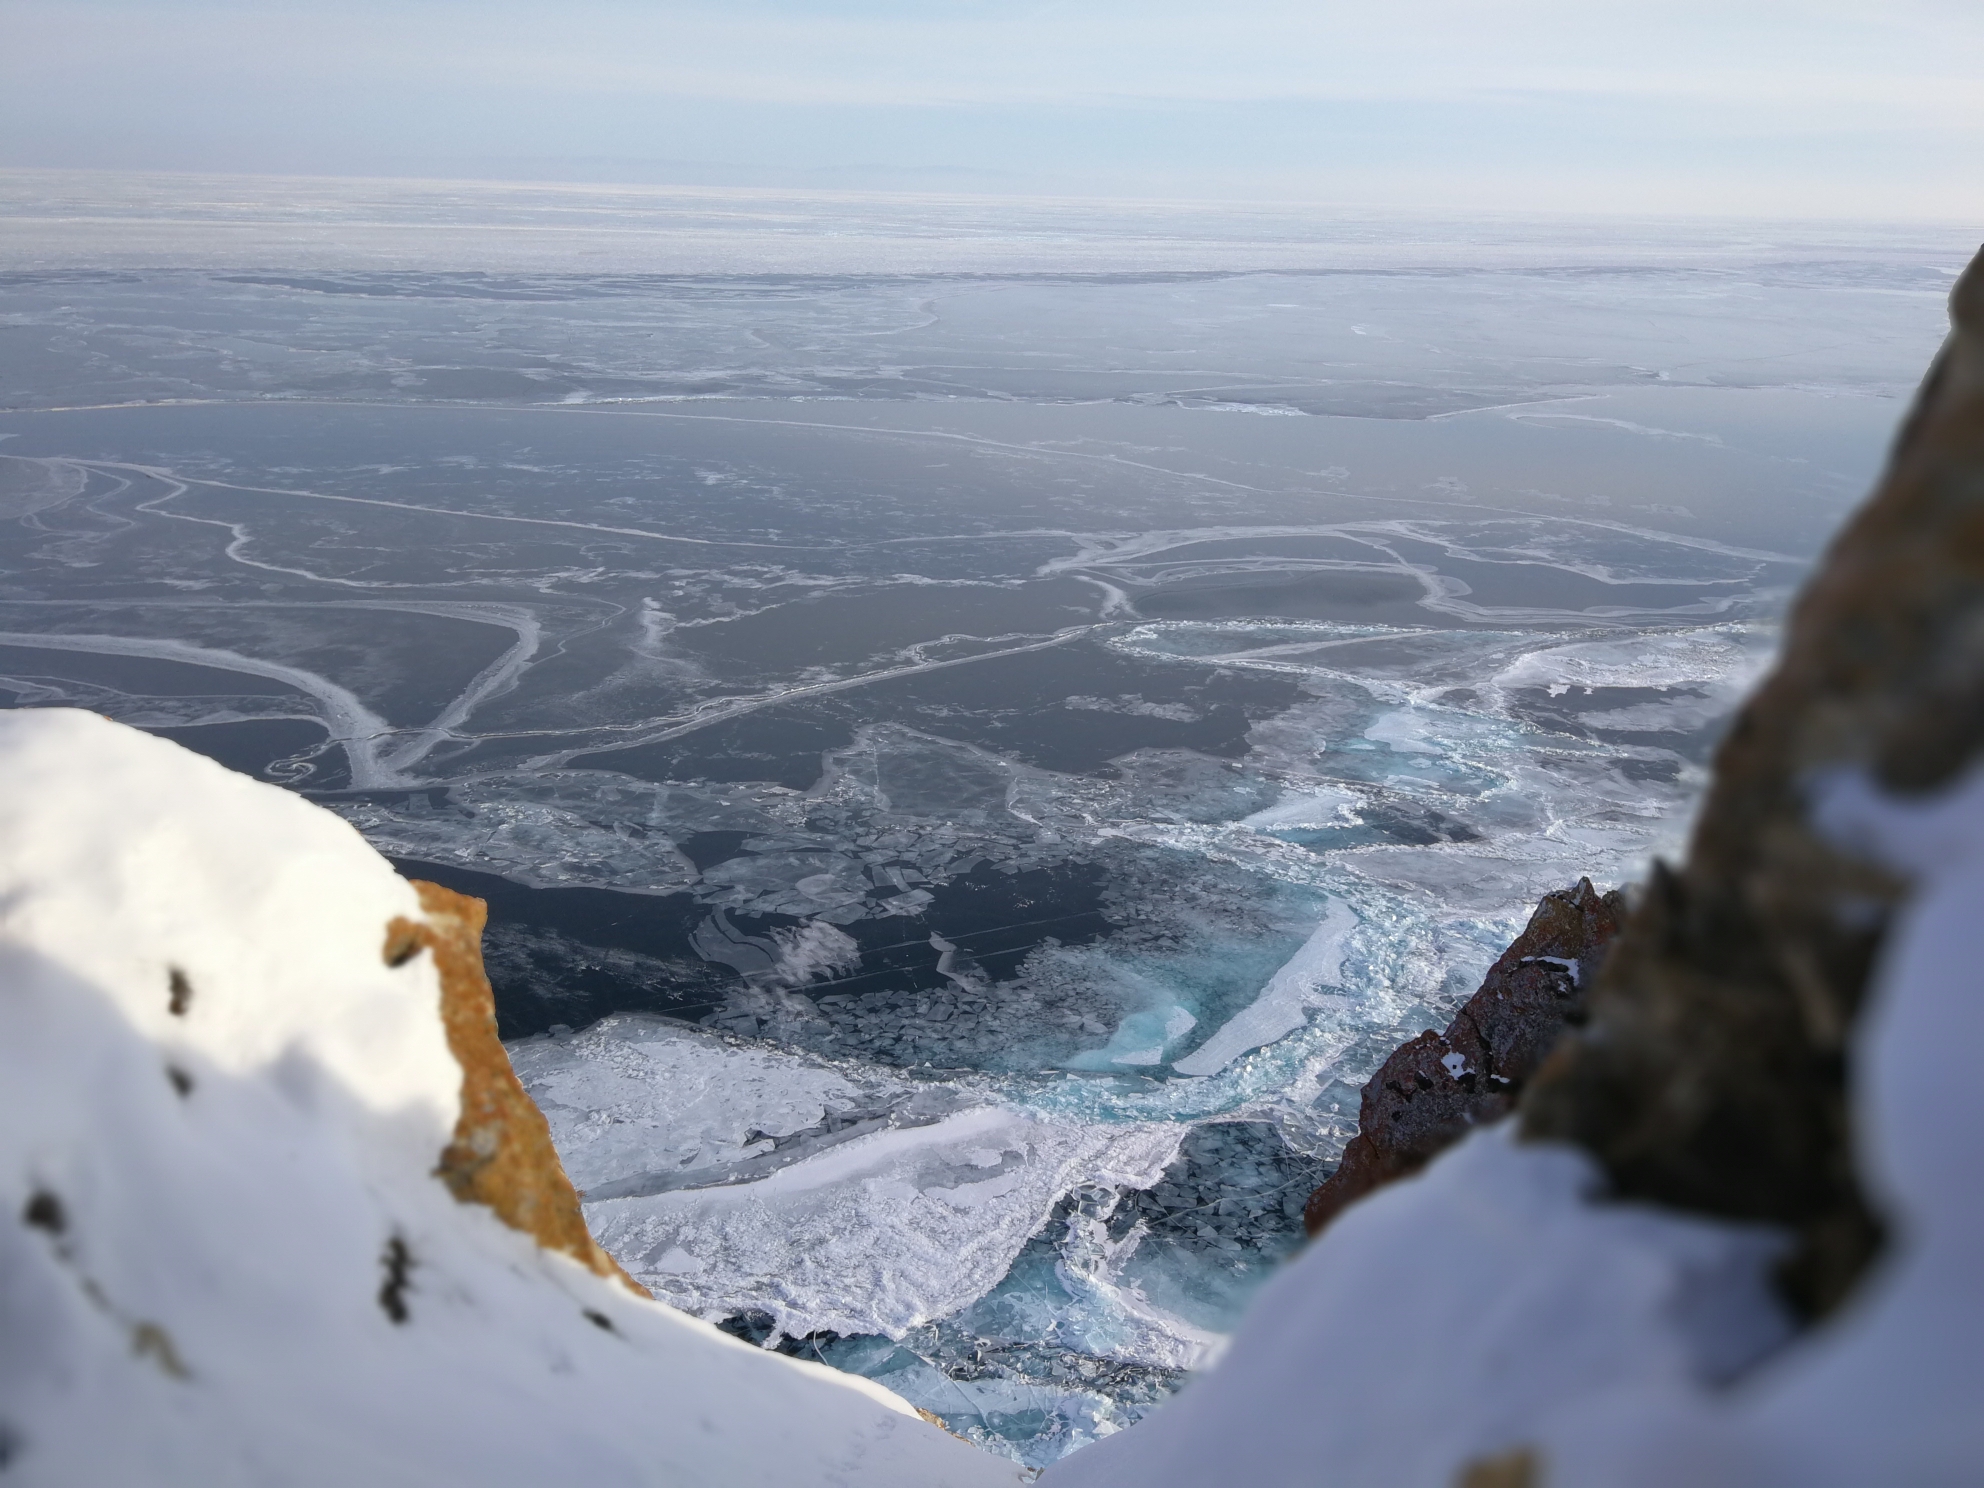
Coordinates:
(730,1176)
(1496,1303)
(196,1208)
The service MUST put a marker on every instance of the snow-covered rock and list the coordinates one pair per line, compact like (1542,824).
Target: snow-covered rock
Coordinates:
(226,1254)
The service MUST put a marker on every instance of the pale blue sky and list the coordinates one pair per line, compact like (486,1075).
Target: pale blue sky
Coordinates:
(1833,108)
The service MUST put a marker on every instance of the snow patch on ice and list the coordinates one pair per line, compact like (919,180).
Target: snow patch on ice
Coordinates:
(1405,732)
(828,1194)
(1731,656)
(813,951)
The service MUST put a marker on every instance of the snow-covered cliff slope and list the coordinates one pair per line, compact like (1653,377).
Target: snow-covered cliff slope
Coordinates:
(226,1257)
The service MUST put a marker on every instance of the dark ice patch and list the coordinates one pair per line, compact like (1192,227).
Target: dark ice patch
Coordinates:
(138,676)
(1017,706)
(1349,398)
(405,665)
(912,1001)
(1226,1212)
(1382,822)
(1281,545)
(1238,1180)
(707,849)
(995,918)
(1534,585)
(289,751)
(1651,771)
(573,955)
(821,627)
(1572,712)
(780,745)
(1351,595)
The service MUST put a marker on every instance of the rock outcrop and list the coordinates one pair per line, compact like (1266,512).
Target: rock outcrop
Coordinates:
(501,1152)
(1440,1086)
(1713,1073)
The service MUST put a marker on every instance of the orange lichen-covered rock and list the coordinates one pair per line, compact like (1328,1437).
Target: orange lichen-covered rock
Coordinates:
(501,1154)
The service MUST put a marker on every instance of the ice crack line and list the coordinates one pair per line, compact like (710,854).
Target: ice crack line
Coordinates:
(239,535)
(350,723)
(185,483)
(706,714)
(492,681)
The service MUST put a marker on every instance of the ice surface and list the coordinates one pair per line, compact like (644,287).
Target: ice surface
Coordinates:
(1719,656)
(1280,1008)
(638,1102)
(918,685)
(333,234)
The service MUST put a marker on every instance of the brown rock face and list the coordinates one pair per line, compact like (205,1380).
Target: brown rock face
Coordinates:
(501,1154)
(1712,1074)
(1435,1089)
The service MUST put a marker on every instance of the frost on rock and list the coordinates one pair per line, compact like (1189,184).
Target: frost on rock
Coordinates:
(226,1257)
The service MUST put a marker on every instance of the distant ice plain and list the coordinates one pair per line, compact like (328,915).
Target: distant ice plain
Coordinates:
(1055,691)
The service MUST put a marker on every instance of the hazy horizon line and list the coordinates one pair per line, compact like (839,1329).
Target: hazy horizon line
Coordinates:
(1291,203)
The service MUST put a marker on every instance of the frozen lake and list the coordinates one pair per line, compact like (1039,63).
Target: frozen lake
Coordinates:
(979,723)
